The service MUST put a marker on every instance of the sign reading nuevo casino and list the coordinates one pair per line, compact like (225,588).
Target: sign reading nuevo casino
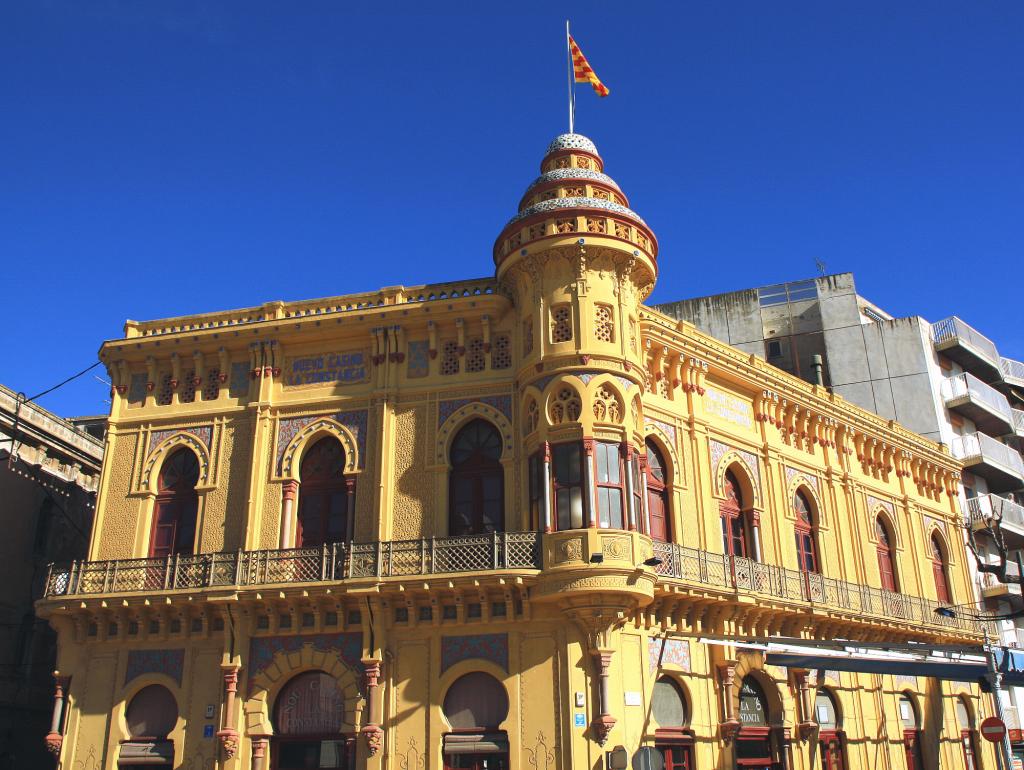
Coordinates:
(344,368)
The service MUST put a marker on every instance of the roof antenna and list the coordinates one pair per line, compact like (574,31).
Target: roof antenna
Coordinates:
(820,265)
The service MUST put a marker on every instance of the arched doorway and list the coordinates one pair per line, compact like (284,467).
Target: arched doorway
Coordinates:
(475,706)
(942,592)
(736,538)
(177,505)
(671,716)
(830,731)
(911,723)
(308,717)
(756,746)
(476,490)
(323,495)
(657,494)
(150,716)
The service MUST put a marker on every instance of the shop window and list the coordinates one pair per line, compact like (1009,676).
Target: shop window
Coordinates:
(672,738)
(755,745)
(968,738)
(567,482)
(308,717)
(150,717)
(475,706)
(911,732)
(657,494)
(476,497)
(831,738)
(176,506)
(323,495)
(610,478)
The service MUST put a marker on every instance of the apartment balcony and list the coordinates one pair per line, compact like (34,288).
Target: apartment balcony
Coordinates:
(985,406)
(1000,465)
(496,552)
(771,584)
(982,511)
(992,588)
(1013,372)
(968,347)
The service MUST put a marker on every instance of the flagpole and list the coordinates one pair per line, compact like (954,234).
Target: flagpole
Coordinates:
(572,83)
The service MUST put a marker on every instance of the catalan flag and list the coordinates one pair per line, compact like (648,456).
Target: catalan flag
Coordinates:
(582,71)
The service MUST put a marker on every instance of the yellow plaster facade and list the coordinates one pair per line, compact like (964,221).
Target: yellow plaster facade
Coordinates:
(578,600)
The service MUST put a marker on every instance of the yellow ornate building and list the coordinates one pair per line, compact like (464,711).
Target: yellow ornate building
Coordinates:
(520,522)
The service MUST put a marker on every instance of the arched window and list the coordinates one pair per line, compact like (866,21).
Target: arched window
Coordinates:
(806,534)
(476,492)
(308,718)
(911,732)
(886,565)
(939,571)
(735,538)
(151,714)
(475,706)
(671,718)
(755,747)
(177,505)
(657,494)
(965,721)
(830,733)
(323,495)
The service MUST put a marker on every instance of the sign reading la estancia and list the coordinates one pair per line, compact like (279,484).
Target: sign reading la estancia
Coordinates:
(344,368)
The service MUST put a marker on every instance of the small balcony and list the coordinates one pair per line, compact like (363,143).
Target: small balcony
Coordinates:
(494,552)
(727,573)
(985,406)
(986,509)
(992,588)
(1000,465)
(1013,372)
(968,347)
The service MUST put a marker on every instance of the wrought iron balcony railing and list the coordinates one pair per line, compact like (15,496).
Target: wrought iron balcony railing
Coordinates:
(741,574)
(337,561)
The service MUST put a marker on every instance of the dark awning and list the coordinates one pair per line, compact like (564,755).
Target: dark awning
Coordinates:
(475,743)
(159,753)
(1010,664)
(954,672)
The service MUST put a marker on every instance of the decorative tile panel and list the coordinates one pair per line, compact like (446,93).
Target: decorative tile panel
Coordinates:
(355,420)
(491,647)
(137,389)
(792,473)
(347,646)
(719,450)
(238,385)
(168,662)
(558,204)
(905,680)
(446,409)
(670,430)
(673,652)
(419,358)
(203,432)
(875,502)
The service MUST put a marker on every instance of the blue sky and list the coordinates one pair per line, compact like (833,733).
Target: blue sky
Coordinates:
(163,158)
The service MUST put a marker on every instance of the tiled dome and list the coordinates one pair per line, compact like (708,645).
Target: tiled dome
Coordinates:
(573,195)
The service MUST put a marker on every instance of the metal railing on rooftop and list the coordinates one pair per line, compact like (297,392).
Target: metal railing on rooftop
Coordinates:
(972,446)
(737,573)
(953,328)
(337,561)
(966,384)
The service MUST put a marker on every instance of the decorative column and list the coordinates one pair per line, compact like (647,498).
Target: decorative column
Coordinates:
(755,528)
(54,739)
(807,724)
(289,490)
(604,722)
(546,497)
(731,723)
(260,747)
(644,502)
(350,508)
(588,480)
(627,453)
(371,730)
(228,735)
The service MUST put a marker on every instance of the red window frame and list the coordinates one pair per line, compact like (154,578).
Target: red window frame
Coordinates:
(734,529)
(657,495)
(323,515)
(562,515)
(939,572)
(607,487)
(886,566)
(967,744)
(806,534)
(912,749)
(478,476)
(832,750)
(176,508)
(535,472)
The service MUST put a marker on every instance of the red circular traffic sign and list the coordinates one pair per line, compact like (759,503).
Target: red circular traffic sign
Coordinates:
(993,729)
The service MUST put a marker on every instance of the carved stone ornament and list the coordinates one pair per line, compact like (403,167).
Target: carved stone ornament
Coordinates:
(602,727)
(53,743)
(729,728)
(374,738)
(806,729)
(228,741)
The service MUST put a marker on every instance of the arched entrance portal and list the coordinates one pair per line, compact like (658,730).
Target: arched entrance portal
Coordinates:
(475,706)
(308,717)
(756,746)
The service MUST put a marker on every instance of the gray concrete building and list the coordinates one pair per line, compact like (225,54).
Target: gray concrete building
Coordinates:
(945,380)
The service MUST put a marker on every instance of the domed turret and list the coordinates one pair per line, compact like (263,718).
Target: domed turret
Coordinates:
(572,199)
